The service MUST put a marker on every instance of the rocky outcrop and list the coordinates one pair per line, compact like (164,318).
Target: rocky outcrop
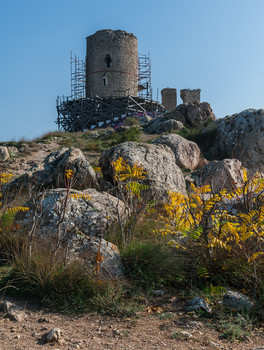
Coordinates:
(187,153)
(51,172)
(170,125)
(190,115)
(241,136)
(4,155)
(197,113)
(227,174)
(86,248)
(80,225)
(158,161)
(162,124)
(198,303)
(89,211)
(236,301)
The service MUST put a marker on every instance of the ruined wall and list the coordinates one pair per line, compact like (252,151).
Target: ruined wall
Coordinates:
(169,98)
(111,63)
(190,96)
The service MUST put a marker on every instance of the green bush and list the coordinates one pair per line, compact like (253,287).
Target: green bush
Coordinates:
(131,134)
(131,121)
(150,265)
(70,288)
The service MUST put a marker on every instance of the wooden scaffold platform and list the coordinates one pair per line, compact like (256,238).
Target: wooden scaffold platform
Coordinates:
(86,113)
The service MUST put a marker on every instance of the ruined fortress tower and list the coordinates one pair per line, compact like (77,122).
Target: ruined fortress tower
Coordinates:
(111,64)
(113,82)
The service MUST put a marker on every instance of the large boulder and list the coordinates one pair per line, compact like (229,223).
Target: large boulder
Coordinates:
(190,115)
(80,225)
(51,172)
(170,125)
(241,136)
(197,113)
(236,301)
(87,249)
(162,124)
(227,173)
(4,155)
(158,161)
(187,153)
(89,211)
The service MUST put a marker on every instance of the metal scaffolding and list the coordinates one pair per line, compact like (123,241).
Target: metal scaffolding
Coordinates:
(79,113)
(144,77)
(77,78)
(87,113)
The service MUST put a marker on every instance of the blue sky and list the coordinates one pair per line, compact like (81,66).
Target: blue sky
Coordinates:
(215,45)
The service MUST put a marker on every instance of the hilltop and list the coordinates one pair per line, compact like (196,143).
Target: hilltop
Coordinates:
(86,220)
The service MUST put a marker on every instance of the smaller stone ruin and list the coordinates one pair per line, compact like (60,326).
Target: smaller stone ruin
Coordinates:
(190,96)
(169,98)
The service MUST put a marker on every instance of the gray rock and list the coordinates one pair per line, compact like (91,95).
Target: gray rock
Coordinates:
(12,311)
(4,155)
(190,115)
(54,335)
(158,161)
(227,173)
(84,218)
(187,153)
(92,216)
(169,126)
(198,303)
(85,248)
(241,136)
(165,123)
(51,172)
(198,112)
(6,306)
(236,301)
(16,315)
(13,151)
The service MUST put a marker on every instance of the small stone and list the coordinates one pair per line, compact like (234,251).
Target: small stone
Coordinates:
(158,293)
(216,345)
(43,320)
(236,301)
(4,155)
(198,303)
(5,306)
(16,316)
(54,335)
(116,332)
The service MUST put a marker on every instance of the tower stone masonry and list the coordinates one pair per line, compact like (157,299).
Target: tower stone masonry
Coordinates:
(111,64)
(190,96)
(169,98)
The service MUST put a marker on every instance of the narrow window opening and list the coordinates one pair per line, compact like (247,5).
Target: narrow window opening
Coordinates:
(108,61)
(105,80)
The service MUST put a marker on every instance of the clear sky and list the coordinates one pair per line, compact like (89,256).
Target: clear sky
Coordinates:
(215,45)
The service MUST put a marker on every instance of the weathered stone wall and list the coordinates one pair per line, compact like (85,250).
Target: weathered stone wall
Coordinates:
(111,63)
(190,96)
(169,98)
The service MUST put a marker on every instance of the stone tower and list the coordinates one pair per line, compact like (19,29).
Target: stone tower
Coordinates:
(190,96)
(169,98)
(111,64)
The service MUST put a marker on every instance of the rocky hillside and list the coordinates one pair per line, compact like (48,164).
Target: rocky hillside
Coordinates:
(91,200)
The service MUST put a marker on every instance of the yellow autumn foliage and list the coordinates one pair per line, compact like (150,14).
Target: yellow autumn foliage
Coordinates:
(4,179)
(205,216)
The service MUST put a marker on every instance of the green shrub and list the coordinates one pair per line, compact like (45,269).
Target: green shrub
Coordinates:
(131,134)
(149,265)
(131,121)
(71,288)
(204,135)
